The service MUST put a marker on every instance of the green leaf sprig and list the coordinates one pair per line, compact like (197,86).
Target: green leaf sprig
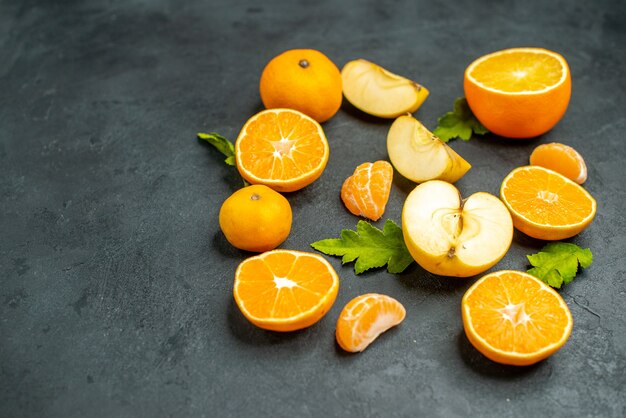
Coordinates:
(460,123)
(557,263)
(222,144)
(370,247)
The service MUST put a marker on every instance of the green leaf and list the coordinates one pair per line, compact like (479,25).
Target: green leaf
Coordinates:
(460,123)
(222,144)
(557,263)
(370,247)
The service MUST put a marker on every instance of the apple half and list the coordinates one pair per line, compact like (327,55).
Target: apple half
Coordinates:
(451,236)
(420,156)
(378,92)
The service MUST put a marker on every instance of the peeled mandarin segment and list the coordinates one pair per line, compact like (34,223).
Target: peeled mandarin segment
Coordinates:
(561,158)
(379,92)
(364,318)
(281,148)
(366,192)
(449,236)
(545,204)
(284,290)
(518,92)
(420,156)
(513,318)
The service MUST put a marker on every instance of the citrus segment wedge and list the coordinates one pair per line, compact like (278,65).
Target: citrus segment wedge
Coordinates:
(364,318)
(366,192)
(561,158)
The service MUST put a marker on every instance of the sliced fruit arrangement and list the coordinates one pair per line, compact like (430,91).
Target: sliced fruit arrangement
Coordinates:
(366,192)
(256,218)
(518,92)
(514,318)
(420,156)
(285,290)
(304,80)
(378,92)
(450,236)
(281,148)
(545,204)
(364,318)
(561,158)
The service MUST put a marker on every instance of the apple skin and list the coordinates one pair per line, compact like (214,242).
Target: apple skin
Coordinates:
(449,236)
(420,156)
(378,92)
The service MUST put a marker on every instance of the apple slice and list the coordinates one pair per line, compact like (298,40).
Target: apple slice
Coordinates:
(449,236)
(378,92)
(420,156)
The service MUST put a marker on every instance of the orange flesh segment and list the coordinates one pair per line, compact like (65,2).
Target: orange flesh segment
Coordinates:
(281,146)
(364,318)
(546,198)
(561,158)
(283,285)
(518,72)
(366,192)
(516,315)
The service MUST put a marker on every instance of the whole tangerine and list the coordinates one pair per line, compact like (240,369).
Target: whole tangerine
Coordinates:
(305,80)
(256,218)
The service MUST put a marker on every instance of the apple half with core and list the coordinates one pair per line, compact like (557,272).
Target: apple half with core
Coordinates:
(450,236)
(420,156)
(378,92)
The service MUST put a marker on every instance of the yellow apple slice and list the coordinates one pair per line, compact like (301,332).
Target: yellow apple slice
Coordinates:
(378,92)
(449,236)
(420,156)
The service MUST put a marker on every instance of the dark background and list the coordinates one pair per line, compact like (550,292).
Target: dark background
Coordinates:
(116,282)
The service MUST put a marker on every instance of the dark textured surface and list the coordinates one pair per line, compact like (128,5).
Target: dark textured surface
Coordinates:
(116,281)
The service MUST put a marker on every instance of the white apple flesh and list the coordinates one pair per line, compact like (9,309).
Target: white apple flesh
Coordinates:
(420,156)
(449,236)
(379,92)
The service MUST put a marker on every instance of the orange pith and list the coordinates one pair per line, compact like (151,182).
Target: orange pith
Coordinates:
(545,204)
(364,318)
(514,318)
(281,148)
(366,192)
(561,158)
(518,92)
(285,290)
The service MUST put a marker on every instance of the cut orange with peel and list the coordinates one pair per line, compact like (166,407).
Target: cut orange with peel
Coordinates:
(562,159)
(545,204)
(518,92)
(281,148)
(514,318)
(285,290)
(364,318)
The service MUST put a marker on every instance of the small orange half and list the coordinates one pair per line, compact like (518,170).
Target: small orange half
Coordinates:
(545,204)
(514,318)
(285,290)
(281,148)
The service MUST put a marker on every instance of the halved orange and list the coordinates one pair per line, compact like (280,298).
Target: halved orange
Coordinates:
(364,318)
(514,318)
(281,148)
(545,204)
(518,92)
(285,290)
(366,192)
(562,159)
